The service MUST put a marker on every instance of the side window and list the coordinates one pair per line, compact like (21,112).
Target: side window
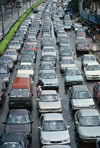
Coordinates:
(97,87)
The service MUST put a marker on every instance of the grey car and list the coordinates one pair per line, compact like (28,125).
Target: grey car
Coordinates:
(80,97)
(87,125)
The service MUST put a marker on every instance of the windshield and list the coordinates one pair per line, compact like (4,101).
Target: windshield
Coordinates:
(14,43)
(49,50)
(49,98)
(81,95)
(48,76)
(18,119)
(25,67)
(89,58)
(10,52)
(54,126)
(20,93)
(93,67)
(3,70)
(90,121)
(72,72)
(48,58)
(47,67)
(11,145)
(67,61)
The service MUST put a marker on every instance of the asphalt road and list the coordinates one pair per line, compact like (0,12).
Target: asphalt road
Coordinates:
(66,109)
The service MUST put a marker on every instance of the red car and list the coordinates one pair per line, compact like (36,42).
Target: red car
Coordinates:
(96,91)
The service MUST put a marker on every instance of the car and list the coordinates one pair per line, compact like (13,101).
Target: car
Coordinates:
(65,53)
(80,97)
(12,53)
(87,125)
(2,91)
(53,129)
(92,71)
(82,48)
(29,52)
(56,146)
(18,121)
(26,68)
(15,44)
(49,58)
(49,101)
(4,73)
(65,63)
(30,46)
(80,40)
(49,79)
(14,140)
(8,61)
(73,76)
(47,50)
(27,59)
(21,93)
(67,25)
(96,91)
(44,66)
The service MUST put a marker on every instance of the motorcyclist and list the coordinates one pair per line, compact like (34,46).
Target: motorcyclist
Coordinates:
(40,83)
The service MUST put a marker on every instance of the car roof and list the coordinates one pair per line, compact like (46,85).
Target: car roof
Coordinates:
(53,116)
(18,111)
(21,82)
(48,92)
(89,112)
(80,87)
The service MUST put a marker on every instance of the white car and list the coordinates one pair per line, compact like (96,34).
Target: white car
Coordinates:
(49,50)
(65,63)
(92,71)
(15,44)
(11,53)
(88,58)
(49,101)
(25,68)
(53,129)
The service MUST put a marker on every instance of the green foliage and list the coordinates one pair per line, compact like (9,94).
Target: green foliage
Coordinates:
(4,43)
(74,5)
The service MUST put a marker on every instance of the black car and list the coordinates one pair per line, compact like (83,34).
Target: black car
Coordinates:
(15,140)
(2,91)
(18,121)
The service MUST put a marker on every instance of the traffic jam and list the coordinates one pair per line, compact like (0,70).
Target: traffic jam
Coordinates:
(45,75)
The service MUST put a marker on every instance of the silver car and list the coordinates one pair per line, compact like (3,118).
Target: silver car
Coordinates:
(87,124)
(49,79)
(49,102)
(53,129)
(80,97)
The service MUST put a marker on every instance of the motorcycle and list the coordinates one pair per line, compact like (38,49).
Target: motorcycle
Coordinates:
(39,89)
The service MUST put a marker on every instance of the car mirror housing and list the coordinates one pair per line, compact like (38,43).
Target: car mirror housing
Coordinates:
(39,127)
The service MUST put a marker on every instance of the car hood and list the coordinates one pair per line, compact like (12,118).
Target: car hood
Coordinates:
(89,131)
(31,72)
(96,72)
(82,102)
(50,105)
(50,81)
(74,78)
(55,136)
(18,128)
(67,65)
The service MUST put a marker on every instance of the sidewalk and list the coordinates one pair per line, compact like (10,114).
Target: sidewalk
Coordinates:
(11,16)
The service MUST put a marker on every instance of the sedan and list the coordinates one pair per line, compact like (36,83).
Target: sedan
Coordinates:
(53,129)
(96,91)
(88,58)
(47,50)
(73,76)
(67,25)
(82,47)
(65,63)
(11,53)
(49,58)
(14,140)
(92,71)
(46,66)
(49,102)
(50,80)
(87,125)
(18,121)
(26,68)
(15,44)
(80,97)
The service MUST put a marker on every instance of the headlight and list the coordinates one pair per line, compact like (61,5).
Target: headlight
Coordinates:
(6,79)
(45,141)
(66,140)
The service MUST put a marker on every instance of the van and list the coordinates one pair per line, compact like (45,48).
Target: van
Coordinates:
(21,93)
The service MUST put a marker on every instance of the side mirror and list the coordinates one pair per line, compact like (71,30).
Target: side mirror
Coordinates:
(76,122)
(4,122)
(39,128)
(31,122)
(68,127)
(37,99)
